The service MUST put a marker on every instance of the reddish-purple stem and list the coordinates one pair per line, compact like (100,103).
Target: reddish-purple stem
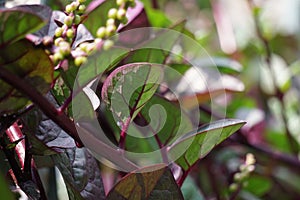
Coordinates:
(38,99)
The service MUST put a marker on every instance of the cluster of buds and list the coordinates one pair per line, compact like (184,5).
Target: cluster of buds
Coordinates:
(240,178)
(116,16)
(65,34)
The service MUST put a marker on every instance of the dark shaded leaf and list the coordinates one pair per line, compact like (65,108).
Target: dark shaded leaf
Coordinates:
(154,182)
(46,137)
(16,23)
(28,62)
(198,144)
(128,88)
(81,174)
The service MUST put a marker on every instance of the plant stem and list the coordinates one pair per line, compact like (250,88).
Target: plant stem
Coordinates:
(37,98)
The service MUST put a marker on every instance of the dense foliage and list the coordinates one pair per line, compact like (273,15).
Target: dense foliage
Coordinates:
(129,99)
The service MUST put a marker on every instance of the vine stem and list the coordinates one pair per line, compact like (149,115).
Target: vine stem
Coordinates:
(38,99)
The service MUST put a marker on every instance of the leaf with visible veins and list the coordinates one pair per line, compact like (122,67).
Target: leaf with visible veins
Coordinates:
(153,182)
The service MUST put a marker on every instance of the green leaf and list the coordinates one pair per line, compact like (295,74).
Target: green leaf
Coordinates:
(128,88)
(29,63)
(154,182)
(15,24)
(97,64)
(81,174)
(45,136)
(160,117)
(198,144)
(152,50)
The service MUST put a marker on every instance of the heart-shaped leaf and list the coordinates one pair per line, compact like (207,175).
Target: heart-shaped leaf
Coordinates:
(16,23)
(199,143)
(128,88)
(29,63)
(154,182)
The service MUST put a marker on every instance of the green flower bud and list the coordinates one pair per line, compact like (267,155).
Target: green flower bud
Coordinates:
(112,13)
(58,40)
(81,9)
(64,48)
(57,57)
(80,60)
(58,32)
(110,30)
(233,187)
(68,21)
(120,2)
(108,44)
(110,22)
(77,19)
(74,5)
(82,1)
(121,14)
(101,32)
(70,33)
(69,9)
